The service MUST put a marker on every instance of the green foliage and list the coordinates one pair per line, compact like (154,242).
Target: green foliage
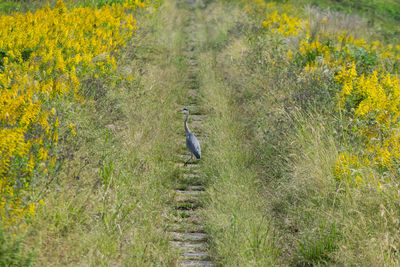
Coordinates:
(365,60)
(9,6)
(272,140)
(316,248)
(101,3)
(377,9)
(304,134)
(385,13)
(106,173)
(10,252)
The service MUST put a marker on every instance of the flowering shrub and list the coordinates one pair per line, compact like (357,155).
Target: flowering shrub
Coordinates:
(346,168)
(366,74)
(283,23)
(43,55)
(276,22)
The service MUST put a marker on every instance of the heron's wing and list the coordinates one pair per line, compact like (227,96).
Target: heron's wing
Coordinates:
(193,145)
(197,147)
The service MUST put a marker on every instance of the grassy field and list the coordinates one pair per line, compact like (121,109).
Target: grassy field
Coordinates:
(382,14)
(108,201)
(275,137)
(292,174)
(296,138)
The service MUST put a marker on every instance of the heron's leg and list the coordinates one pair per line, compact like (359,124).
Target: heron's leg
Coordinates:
(191,158)
(186,162)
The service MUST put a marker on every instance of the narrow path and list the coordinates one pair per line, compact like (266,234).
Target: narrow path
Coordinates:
(187,231)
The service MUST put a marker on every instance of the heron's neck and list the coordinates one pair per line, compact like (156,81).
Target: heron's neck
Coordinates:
(185,123)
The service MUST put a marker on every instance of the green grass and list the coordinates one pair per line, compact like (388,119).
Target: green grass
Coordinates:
(235,208)
(7,7)
(11,252)
(107,202)
(383,10)
(298,136)
(273,138)
(316,249)
(383,15)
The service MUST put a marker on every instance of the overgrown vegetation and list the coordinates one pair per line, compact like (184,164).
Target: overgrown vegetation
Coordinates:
(383,15)
(10,252)
(300,150)
(330,181)
(105,200)
(283,119)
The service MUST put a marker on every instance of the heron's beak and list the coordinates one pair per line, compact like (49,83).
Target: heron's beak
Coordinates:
(179,110)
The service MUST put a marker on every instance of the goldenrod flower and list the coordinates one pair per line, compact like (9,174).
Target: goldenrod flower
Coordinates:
(47,52)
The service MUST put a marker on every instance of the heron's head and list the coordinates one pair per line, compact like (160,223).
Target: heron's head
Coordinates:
(184,110)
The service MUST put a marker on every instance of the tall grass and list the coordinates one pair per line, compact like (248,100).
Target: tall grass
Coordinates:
(239,228)
(321,220)
(107,202)
(382,15)
(275,136)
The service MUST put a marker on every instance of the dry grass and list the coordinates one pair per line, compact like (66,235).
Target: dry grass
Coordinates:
(275,138)
(272,141)
(108,204)
(322,221)
(325,20)
(235,210)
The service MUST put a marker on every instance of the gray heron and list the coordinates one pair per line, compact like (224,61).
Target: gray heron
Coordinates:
(191,141)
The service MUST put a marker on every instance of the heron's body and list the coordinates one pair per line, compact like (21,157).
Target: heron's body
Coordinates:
(193,145)
(191,141)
